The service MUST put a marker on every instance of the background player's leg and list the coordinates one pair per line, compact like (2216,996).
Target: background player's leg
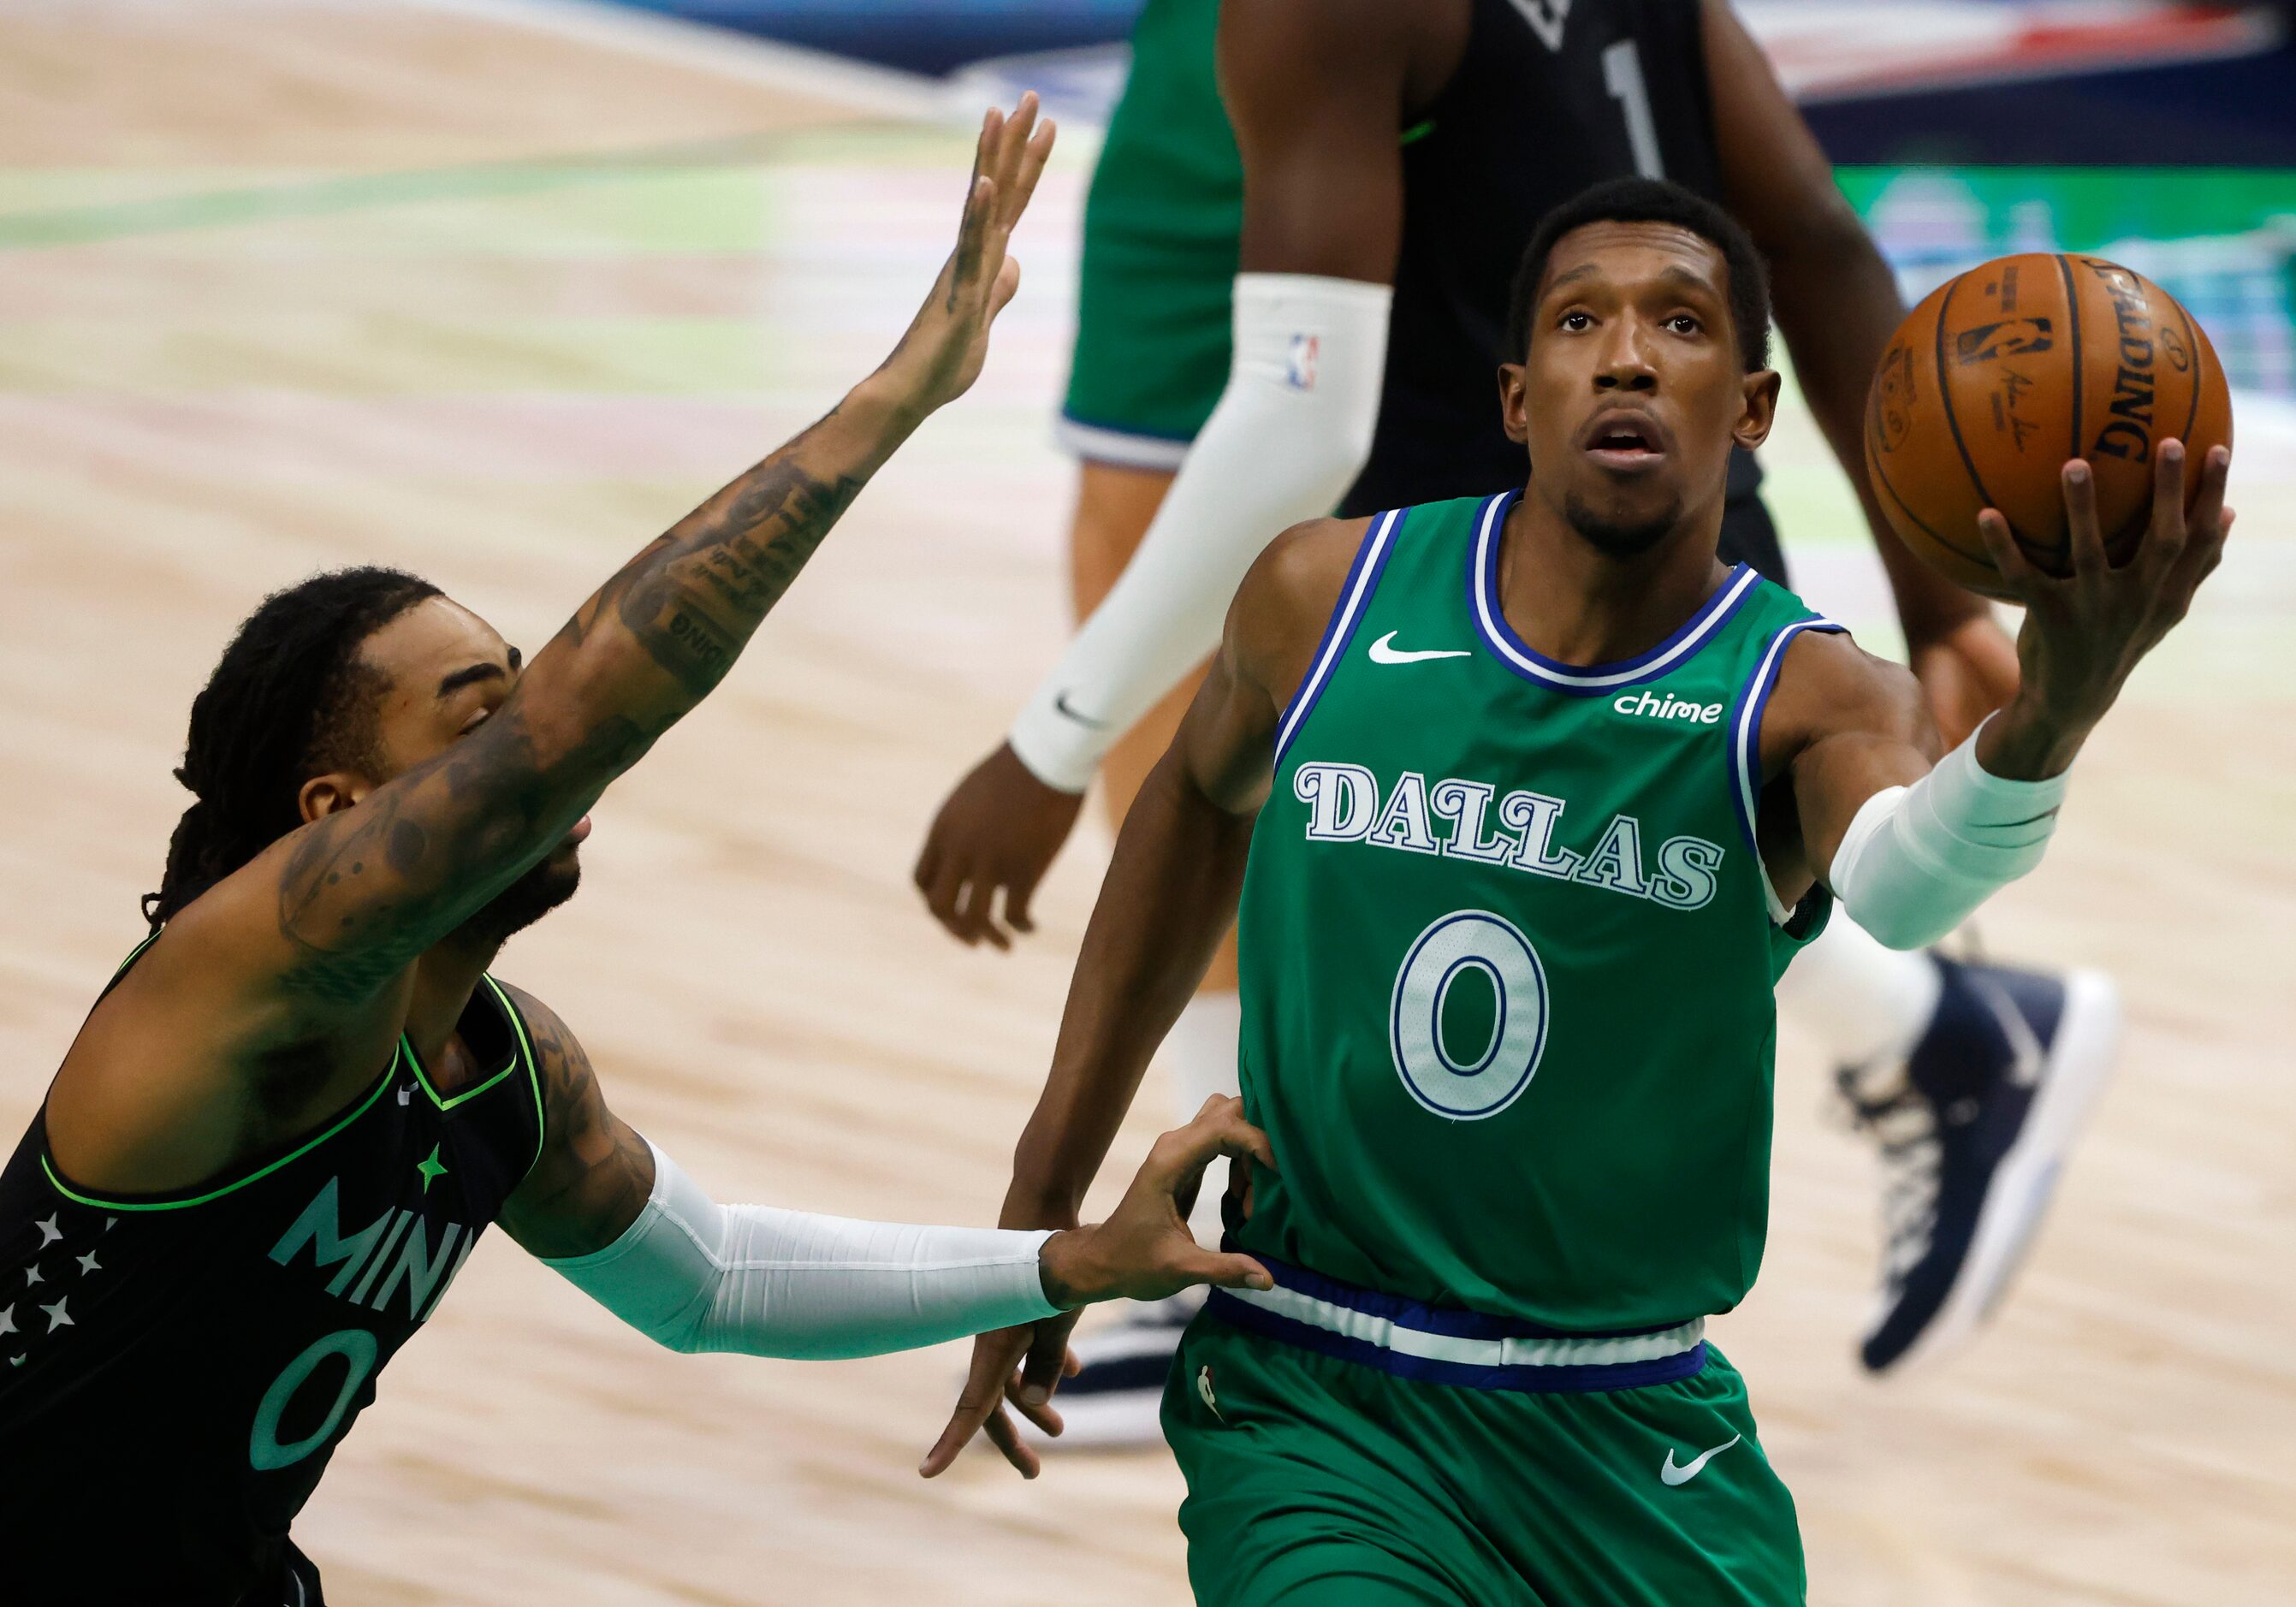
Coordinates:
(1113,1400)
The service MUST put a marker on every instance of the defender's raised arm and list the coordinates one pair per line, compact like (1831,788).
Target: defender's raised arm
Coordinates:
(328,915)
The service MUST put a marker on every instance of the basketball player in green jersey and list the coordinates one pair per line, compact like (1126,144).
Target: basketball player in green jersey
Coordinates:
(1376,144)
(1526,800)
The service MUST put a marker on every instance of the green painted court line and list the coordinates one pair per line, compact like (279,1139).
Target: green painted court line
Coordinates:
(226,208)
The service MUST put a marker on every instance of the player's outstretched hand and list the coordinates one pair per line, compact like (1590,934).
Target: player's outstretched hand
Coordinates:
(995,836)
(1144,1251)
(941,355)
(2086,631)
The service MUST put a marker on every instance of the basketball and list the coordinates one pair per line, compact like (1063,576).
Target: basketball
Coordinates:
(2004,373)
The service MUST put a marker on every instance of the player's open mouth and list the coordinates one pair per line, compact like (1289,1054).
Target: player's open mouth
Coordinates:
(1624,440)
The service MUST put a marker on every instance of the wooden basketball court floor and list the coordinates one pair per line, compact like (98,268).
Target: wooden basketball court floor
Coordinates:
(497,291)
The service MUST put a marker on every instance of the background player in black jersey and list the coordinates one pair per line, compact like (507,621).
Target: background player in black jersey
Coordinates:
(1417,146)
(286,1121)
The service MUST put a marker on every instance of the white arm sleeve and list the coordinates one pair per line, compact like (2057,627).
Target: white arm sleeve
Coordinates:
(697,1275)
(1291,431)
(1917,861)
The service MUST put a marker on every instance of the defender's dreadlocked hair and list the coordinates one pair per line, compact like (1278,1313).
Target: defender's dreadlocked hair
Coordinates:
(291,699)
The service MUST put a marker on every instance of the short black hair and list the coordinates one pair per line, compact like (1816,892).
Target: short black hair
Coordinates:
(291,699)
(1649,200)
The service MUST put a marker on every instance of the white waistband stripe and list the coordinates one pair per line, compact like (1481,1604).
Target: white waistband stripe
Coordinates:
(1387,1335)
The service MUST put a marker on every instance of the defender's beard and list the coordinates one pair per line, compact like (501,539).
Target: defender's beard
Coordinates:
(544,888)
(1616,538)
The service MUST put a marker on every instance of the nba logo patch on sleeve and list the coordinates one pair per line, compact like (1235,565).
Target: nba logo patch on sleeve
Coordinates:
(1300,367)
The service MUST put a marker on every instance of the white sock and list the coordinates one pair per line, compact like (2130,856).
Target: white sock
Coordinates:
(1199,1056)
(1866,1003)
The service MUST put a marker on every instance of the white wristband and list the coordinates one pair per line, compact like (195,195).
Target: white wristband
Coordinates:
(696,1275)
(1291,431)
(1917,861)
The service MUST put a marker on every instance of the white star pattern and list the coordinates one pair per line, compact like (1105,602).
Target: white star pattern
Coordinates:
(108,1221)
(7,1319)
(58,1318)
(31,1275)
(15,1361)
(49,1231)
(88,1263)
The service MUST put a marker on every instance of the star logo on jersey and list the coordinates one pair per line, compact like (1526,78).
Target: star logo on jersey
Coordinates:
(49,1231)
(58,1318)
(431,1167)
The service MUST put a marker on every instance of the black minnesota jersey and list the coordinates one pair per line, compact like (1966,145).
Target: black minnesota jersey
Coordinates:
(1549,97)
(177,1369)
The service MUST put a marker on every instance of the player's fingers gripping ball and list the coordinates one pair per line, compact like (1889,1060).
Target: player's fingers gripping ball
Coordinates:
(2003,374)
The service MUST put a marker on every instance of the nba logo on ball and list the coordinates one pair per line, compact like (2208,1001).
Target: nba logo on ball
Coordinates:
(2008,372)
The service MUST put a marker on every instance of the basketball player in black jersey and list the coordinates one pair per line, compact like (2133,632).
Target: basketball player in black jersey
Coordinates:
(285,1123)
(1416,147)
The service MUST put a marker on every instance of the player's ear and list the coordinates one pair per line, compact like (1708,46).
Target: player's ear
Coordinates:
(1514,403)
(1762,409)
(322,795)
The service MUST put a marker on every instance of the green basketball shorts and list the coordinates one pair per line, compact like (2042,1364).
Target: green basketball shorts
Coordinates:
(1160,226)
(1317,1477)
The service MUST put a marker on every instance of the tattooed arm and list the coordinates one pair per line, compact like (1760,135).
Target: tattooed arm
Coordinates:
(276,994)
(361,892)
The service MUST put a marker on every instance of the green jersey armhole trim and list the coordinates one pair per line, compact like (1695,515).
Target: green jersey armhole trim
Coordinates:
(135,954)
(55,1179)
(533,1066)
(521,1051)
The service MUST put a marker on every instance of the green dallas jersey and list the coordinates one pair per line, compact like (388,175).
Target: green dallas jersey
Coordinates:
(1508,950)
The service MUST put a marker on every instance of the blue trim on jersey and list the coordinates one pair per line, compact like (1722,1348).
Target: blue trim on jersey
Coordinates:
(1355,594)
(1585,680)
(1526,1380)
(1745,744)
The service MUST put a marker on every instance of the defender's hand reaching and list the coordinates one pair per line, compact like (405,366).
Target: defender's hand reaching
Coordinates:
(1144,1251)
(941,355)
(2085,632)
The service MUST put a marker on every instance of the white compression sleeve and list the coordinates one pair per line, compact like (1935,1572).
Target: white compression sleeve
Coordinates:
(697,1275)
(1917,861)
(1290,433)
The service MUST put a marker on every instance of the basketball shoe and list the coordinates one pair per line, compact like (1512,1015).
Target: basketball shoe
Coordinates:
(1974,1126)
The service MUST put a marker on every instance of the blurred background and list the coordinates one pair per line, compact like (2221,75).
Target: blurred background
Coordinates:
(497,289)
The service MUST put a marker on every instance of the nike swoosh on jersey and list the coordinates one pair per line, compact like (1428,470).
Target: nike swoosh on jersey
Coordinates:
(1672,1475)
(1383,653)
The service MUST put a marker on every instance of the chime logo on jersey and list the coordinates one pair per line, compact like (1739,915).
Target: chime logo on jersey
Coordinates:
(424,1275)
(1346,803)
(1648,706)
